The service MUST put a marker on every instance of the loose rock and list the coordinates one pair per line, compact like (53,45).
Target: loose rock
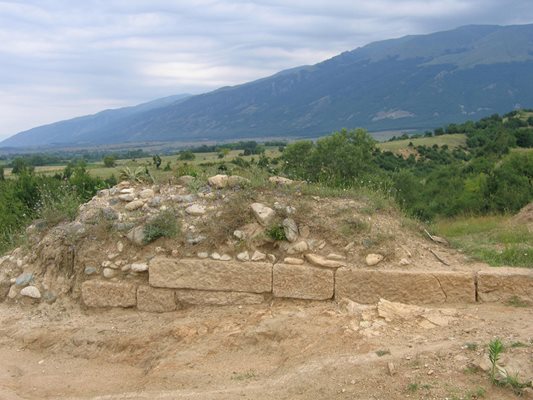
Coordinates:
(293,261)
(24,279)
(244,256)
(31,291)
(139,267)
(323,262)
(109,273)
(280,180)
(218,181)
(298,247)
(291,229)
(126,197)
(263,214)
(195,210)
(146,194)
(258,256)
(373,259)
(134,205)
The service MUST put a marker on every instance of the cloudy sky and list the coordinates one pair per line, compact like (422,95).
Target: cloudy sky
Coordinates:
(62,58)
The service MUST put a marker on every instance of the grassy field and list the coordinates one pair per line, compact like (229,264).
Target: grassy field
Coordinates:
(453,141)
(98,168)
(496,240)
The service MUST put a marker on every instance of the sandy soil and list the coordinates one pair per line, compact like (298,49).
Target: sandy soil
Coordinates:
(285,350)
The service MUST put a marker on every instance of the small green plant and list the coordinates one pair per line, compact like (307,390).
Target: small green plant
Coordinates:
(514,383)
(477,393)
(276,232)
(471,346)
(495,350)
(139,174)
(381,353)
(413,387)
(518,344)
(163,224)
(243,376)
(516,301)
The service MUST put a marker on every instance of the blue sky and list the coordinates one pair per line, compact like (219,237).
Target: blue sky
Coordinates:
(60,59)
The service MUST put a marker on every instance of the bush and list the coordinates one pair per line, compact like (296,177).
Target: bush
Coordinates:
(186,155)
(163,224)
(276,232)
(109,161)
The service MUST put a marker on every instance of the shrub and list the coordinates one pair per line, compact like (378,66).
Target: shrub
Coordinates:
(109,161)
(276,232)
(163,224)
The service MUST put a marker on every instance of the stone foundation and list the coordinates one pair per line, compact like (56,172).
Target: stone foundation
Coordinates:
(174,283)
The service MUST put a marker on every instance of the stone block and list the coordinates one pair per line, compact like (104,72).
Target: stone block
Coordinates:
(210,275)
(303,282)
(502,284)
(155,300)
(206,297)
(108,294)
(412,287)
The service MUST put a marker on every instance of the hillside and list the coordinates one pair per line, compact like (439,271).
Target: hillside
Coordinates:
(420,81)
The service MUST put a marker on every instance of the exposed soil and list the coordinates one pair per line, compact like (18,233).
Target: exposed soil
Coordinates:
(285,350)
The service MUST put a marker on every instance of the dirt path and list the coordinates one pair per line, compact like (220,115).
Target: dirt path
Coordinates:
(288,350)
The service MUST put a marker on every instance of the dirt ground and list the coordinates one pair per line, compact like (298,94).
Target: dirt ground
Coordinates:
(282,350)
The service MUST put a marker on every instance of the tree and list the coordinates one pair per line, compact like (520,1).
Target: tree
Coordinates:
(157,161)
(109,161)
(20,166)
(186,155)
(2,173)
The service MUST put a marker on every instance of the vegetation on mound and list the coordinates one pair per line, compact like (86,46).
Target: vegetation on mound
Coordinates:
(476,176)
(494,239)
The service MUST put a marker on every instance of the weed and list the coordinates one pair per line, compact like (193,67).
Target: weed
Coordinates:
(516,301)
(514,383)
(413,387)
(477,393)
(243,376)
(495,350)
(139,174)
(59,205)
(276,232)
(381,353)
(518,344)
(163,224)
(352,226)
(471,346)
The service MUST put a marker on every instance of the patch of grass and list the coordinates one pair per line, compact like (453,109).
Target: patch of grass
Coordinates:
(518,344)
(477,393)
(495,240)
(516,301)
(352,226)
(59,205)
(243,375)
(381,353)
(276,232)
(163,224)
(471,346)
(413,387)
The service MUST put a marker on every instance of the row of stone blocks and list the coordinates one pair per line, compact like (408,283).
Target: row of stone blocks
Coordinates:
(174,282)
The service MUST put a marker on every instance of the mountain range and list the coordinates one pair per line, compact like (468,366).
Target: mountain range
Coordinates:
(414,82)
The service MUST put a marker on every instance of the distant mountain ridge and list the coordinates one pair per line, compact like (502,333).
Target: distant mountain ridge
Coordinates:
(417,81)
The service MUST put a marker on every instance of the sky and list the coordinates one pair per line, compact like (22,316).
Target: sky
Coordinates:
(61,58)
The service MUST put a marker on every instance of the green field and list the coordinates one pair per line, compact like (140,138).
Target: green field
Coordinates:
(452,141)
(98,168)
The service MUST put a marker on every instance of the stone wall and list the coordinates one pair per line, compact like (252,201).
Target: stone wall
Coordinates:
(174,283)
